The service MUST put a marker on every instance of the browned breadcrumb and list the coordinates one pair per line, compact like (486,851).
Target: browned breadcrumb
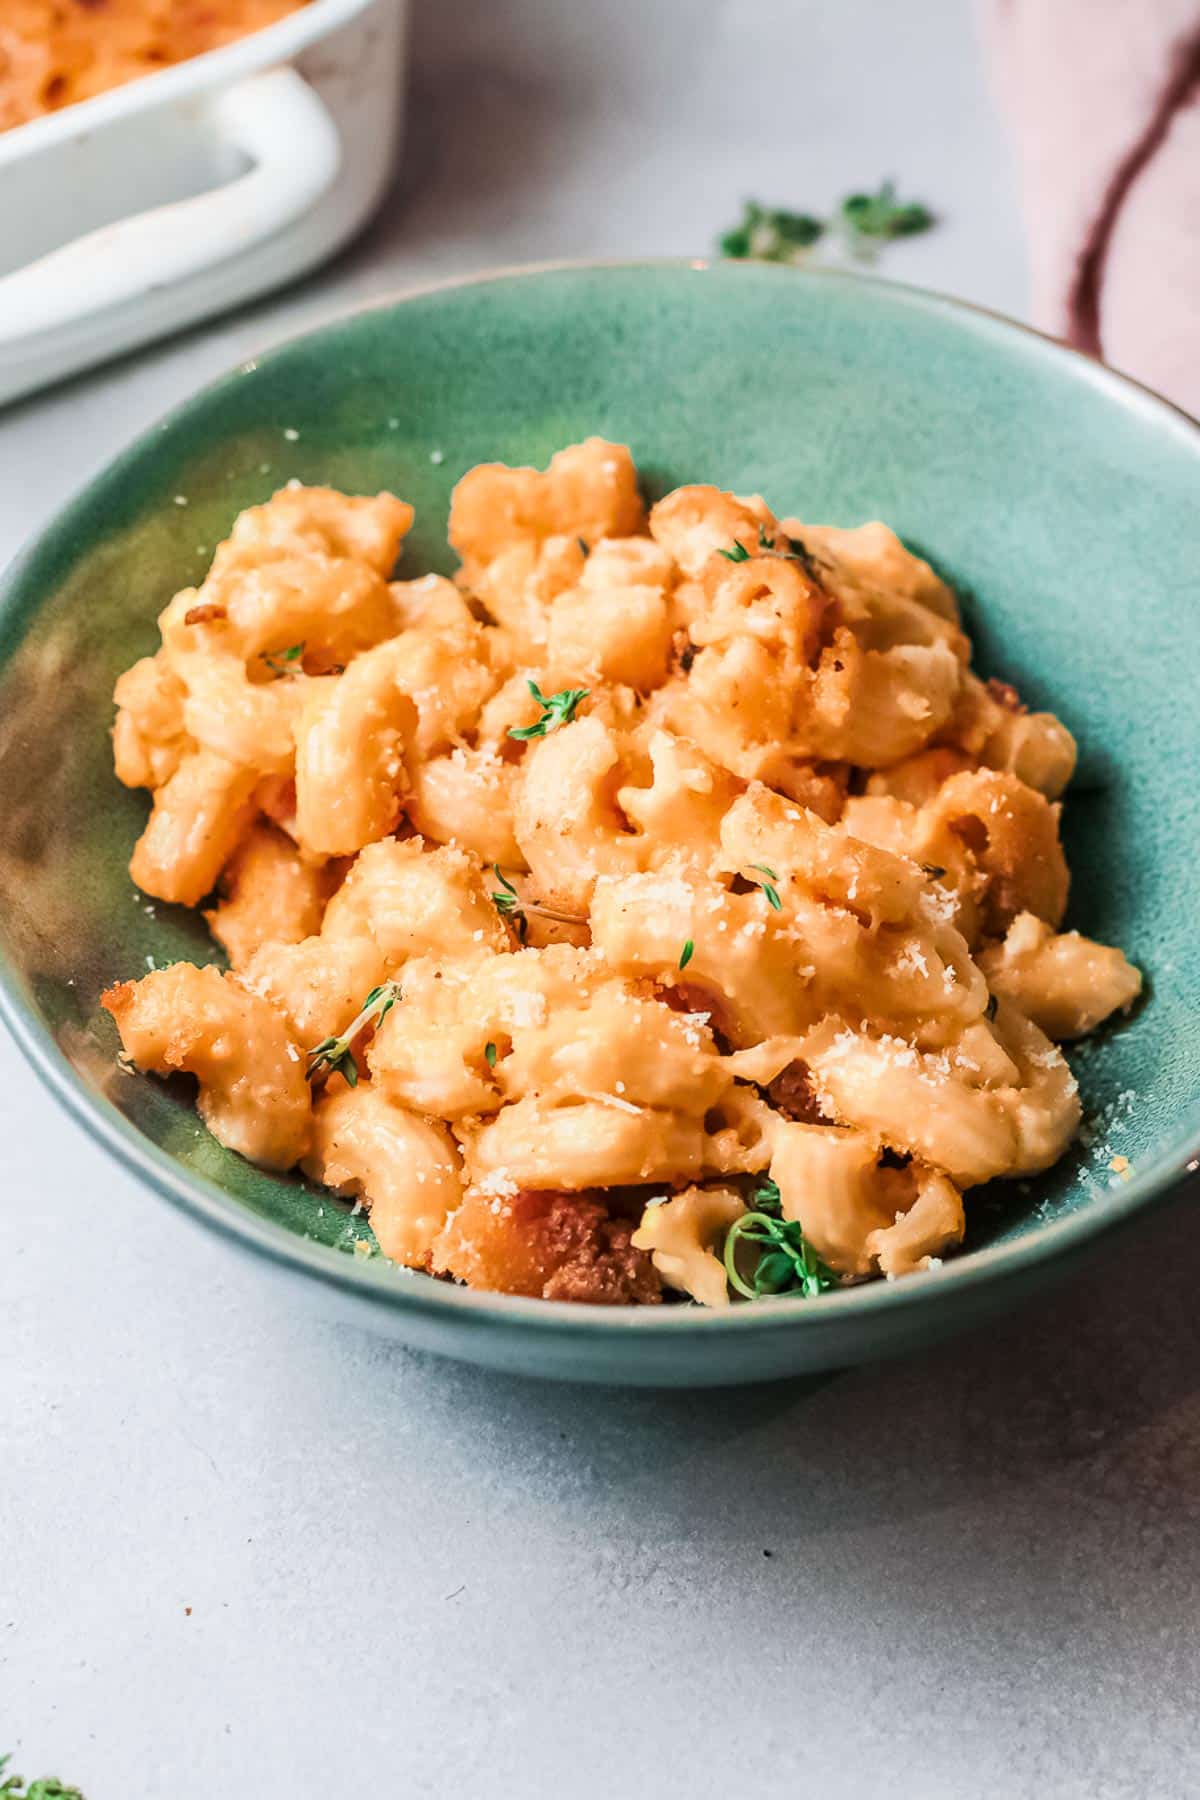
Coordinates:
(554,1245)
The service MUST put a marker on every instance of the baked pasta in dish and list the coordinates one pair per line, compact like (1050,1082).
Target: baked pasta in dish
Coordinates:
(54,53)
(662,907)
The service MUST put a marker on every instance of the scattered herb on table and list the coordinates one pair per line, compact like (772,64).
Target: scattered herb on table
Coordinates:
(786,1261)
(881,215)
(335,1055)
(769,234)
(12,1787)
(557,709)
(864,222)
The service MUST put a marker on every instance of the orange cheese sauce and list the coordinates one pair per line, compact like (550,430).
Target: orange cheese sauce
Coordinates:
(54,53)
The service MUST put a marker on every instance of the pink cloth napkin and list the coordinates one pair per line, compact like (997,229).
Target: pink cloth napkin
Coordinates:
(1104,96)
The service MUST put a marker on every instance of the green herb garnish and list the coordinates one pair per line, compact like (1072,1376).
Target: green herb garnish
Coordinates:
(282,660)
(770,891)
(335,1055)
(12,1787)
(489,1055)
(769,234)
(881,215)
(933,870)
(686,954)
(737,554)
(509,904)
(558,709)
(786,1261)
(797,551)
(866,220)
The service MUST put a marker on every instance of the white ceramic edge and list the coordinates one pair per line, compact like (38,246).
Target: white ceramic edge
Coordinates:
(182,81)
(367,122)
(295,152)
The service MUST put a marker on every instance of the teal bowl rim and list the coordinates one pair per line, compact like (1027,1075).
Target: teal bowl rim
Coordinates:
(383,1284)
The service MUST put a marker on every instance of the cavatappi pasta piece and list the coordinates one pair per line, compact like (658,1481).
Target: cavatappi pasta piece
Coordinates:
(990,723)
(745,966)
(857,1214)
(318,985)
(943,1107)
(739,1131)
(518,587)
(621,634)
(350,743)
(552,1245)
(413,901)
(1012,832)
(583,1144)
(869,564)
(1067,984)
(873,707)
(692,523)
(686,798)
(468,797)
(684,1235)
(369,528)
(199,817)
(253,1095)
(588,491)
(149,740)
(405,1167)
(931,1223)
(325,608)
(618,1045)
(269,895)
(566,819)
(248,722)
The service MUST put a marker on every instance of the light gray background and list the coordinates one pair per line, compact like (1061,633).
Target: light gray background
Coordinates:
(409,1578)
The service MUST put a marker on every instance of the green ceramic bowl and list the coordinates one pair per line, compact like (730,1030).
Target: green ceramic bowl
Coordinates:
(1059,499)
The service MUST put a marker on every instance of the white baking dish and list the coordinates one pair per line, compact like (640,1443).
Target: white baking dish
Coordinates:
(187,191)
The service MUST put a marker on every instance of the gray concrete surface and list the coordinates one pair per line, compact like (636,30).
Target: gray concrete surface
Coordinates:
(247,1552)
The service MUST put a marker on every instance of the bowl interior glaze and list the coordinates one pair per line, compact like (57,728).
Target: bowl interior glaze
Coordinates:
(1059,500)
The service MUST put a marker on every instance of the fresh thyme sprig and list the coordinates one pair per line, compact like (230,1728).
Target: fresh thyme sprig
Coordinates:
(48,1787)
(786,1261)
(881,215)
(795,552)
(283,661)
(335,1055)
(770,891)
(770,234)
(509,905)
(557,709)
(686,954)
(865,221)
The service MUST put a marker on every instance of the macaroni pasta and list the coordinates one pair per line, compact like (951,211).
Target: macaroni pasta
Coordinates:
(662,908)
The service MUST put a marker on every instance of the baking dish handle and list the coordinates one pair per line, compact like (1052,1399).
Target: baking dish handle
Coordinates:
(279,123)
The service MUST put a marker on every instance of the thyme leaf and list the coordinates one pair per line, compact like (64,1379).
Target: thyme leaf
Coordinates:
(557,709)
(335,1055)
(770,891)
(686,954)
